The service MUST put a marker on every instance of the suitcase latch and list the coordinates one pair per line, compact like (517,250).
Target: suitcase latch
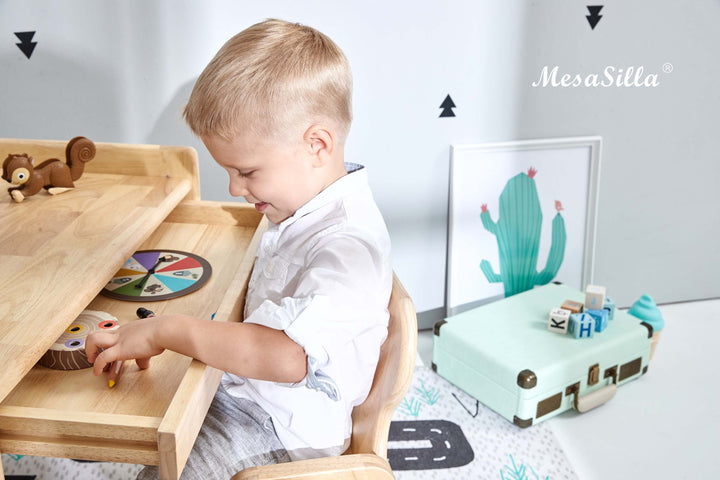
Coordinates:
(594,374)
(612,373)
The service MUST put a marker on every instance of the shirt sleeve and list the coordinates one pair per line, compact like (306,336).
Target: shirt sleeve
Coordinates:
(337,311)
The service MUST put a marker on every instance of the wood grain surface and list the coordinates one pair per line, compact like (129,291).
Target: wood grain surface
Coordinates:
(173,395)
(57,252)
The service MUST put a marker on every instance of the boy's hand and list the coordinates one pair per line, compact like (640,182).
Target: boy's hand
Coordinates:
(135,340)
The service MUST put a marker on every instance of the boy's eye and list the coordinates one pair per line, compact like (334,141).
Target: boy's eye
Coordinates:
(246,174)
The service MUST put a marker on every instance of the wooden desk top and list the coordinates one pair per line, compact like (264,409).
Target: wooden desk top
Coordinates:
(57,252)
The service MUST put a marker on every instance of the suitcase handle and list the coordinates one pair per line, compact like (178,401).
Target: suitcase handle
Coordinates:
(596,398)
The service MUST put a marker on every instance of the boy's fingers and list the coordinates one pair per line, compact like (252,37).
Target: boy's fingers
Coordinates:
(102,361)
(96,341)
(143,363)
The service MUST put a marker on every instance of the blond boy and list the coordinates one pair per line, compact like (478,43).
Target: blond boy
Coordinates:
(273,109)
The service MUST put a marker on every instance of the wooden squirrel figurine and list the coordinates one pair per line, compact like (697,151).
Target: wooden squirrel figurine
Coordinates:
(53,175)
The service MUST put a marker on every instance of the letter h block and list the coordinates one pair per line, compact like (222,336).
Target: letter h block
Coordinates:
(582,325)
(559,320)
(601,318)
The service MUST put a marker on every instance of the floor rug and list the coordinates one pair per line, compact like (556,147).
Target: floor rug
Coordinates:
(440,432)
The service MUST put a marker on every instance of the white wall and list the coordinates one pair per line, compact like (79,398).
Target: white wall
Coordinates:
(121,72)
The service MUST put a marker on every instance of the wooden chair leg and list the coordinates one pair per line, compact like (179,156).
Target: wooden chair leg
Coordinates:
(363,466)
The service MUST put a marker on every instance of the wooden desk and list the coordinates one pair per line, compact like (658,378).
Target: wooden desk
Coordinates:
(58,253)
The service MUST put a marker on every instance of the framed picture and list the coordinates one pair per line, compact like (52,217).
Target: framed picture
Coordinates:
(521,214)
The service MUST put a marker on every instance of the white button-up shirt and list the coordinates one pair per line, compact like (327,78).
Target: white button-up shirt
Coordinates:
(323,276)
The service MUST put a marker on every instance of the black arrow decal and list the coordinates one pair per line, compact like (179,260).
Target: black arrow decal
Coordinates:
(447,105)
(594,16)
(26,44)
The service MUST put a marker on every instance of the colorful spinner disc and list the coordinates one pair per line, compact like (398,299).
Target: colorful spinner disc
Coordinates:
(152,275)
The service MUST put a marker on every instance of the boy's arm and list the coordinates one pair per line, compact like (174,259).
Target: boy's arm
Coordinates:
(248,350)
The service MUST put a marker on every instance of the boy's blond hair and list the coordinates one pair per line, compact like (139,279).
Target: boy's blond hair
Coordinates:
(273,77)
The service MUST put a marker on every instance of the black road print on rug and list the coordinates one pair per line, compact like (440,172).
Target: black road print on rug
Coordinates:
(447,447)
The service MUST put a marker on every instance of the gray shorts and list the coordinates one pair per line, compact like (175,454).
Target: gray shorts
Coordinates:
(236,434)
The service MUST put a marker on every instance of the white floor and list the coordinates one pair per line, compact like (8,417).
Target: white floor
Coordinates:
(665,424)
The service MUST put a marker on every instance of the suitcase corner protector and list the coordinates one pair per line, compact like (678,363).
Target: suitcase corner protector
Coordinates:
(522,423)
(527,379)
(438,324)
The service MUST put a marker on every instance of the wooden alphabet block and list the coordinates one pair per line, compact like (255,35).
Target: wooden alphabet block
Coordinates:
(559,320)
(574,307)
(601,318)
(609,305)
(594,297)
(582,325)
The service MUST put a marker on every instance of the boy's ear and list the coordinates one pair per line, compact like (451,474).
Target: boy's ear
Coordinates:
(320,143)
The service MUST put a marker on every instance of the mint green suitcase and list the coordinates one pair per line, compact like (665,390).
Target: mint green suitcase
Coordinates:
(504,355)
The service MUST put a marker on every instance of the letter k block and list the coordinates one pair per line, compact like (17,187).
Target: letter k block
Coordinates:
(559,320)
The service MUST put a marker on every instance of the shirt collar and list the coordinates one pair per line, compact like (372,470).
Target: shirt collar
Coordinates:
(355,179)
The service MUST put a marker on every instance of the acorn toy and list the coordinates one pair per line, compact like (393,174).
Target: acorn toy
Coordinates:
(53,175)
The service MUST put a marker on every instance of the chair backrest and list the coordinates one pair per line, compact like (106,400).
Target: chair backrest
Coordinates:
(371,419)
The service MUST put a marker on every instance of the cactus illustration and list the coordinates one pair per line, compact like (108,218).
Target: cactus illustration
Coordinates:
(519,472)
(410,407)
(429,396)
(518,237)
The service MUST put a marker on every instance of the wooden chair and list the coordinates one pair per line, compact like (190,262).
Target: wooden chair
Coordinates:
(366,458)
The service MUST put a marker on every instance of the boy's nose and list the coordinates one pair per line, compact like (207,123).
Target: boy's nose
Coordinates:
(238,189)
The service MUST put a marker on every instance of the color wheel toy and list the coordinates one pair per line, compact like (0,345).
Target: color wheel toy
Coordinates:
(151,275)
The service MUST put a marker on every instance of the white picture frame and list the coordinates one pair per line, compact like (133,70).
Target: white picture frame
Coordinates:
(568,170)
